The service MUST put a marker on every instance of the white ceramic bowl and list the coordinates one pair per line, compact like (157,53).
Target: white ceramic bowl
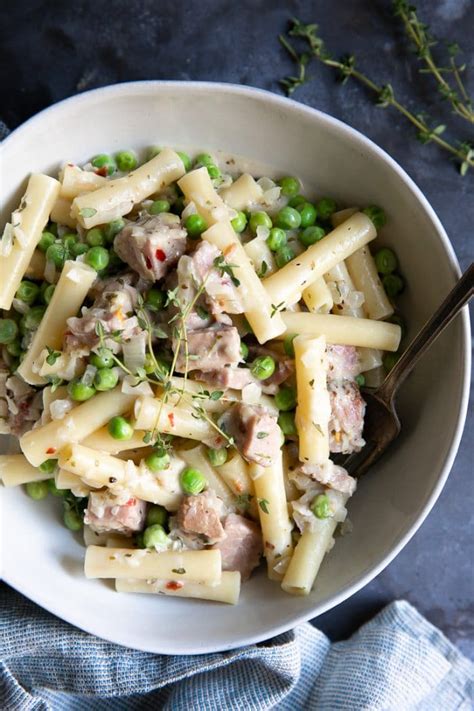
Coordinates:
(44,561)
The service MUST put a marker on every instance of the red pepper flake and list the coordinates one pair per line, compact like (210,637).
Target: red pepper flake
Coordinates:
(160,255)
(102,171)
(51,450)
(174,585)
(171,418)
(148,263)
(131,502)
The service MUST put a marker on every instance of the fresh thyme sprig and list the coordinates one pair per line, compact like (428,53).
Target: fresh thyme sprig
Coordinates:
(201,414)
(422,40)
(385,95)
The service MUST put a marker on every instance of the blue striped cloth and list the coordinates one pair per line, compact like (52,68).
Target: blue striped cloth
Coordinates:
(396,661)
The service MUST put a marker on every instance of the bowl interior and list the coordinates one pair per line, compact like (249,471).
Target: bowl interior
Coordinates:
(44,561)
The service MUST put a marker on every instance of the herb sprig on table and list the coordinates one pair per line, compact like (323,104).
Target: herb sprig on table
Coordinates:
(448,78)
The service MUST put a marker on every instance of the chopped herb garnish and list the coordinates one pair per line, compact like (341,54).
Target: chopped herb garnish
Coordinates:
(243,501)
(224,268)
(318,427)
(88,212)
(262,435)
(52,356)
(263,269)
(278,307)
(202,312)
(216,395)
(263,503)
(178,571)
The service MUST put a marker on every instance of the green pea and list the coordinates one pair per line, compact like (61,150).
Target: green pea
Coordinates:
(276,239)
(204,159)
(288,344)
(126,161)
(79,248)
(244,350)
(155,299)
(69,240)
(57,253)
(217,457)
(389,360)
(286,421)
(105,379)
(155,536)
(259,219)
(14,349)
(360,380)
(288,218)
(47,239)
(8,331)
(185,159)
(192,481)
(321,506)
(195,225)
(156,515)
(48,466)
(27,292)
(311,235)
(159,206)
(377,215)
(95,237)
(80,392)
(263,367)
(385,261)
(289,186)
(72,520)
(104,161)
(325,207)
(37,490)
(297,200)
(239,223)
(213,171)
(48,293)
(156,365)
(53,489)
(112,229)
(285,399)
(120,428)
(284,255)
(157,461)
(104,358)
(308,214)
(393,285)
(32,319)
(97,258)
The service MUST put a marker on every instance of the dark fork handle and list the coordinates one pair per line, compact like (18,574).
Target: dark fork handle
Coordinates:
(454,301)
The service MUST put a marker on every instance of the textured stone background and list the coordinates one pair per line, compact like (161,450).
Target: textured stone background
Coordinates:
(50,50)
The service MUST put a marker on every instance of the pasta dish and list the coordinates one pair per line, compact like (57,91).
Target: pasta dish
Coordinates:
(183,347)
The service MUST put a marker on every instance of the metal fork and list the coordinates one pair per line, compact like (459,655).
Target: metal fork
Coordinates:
(382,424)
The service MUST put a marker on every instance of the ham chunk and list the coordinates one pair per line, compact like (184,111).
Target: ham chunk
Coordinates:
(330,474)
(255,431)
(110,512)
(347,417)
(152,244)
(241,547)
(200,515)
(210,349)
(113,309)
(343,362)
(220,286)
(233,378)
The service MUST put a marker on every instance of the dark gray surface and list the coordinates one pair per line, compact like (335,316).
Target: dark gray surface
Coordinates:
(50,50)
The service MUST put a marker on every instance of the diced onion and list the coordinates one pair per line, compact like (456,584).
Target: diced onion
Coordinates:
(20,306)
(262,232)
(50,271)
(190,209)
(134,353)
(60,408)
(251,394)
(129,387)
(89,375)
(266,183)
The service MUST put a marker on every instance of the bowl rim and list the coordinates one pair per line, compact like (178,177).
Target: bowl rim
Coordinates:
(148,86)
